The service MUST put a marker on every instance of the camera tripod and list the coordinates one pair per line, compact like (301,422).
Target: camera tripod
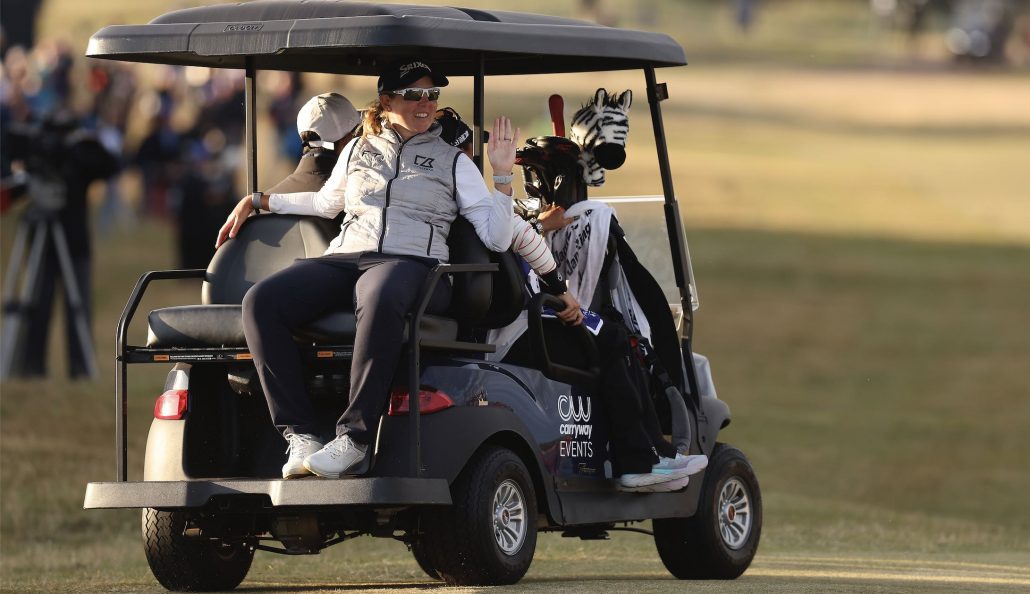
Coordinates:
(41,226)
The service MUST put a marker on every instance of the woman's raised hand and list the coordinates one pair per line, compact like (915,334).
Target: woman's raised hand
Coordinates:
(232,224)
(501,146)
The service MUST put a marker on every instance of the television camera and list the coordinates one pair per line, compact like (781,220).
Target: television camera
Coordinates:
(50,164)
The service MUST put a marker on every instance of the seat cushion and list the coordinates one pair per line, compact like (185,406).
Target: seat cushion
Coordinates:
(195,326)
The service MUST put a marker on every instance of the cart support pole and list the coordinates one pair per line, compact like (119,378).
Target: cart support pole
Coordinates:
(250,99)
(414,398)
(477,112)
(674,224)
(677,237)
(121,417)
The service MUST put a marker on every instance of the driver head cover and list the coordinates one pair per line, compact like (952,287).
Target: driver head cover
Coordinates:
(330,115)
(454,131)
(600,127)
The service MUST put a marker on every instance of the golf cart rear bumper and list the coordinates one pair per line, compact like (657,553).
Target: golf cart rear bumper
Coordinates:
(377,492)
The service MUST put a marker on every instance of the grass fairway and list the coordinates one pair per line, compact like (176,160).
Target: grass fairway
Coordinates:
(861,240)
(877,386)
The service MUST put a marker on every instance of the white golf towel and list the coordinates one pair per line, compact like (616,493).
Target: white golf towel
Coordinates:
(579,250)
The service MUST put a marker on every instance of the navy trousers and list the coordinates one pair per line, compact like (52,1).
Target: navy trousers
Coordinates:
(382,290)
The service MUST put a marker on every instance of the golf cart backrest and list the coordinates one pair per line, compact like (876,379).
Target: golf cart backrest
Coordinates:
(264,245)
(483,299)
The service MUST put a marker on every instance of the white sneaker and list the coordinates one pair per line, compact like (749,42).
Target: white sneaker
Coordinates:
(301,445)
(338,457)
(667,470)
(636,482)
(664,487)
(692,464)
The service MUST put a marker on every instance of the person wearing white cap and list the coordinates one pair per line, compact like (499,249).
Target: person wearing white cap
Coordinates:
(326,123)
(400,186)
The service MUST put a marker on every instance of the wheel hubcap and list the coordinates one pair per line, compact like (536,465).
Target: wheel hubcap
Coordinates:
(509,517)
(734,513)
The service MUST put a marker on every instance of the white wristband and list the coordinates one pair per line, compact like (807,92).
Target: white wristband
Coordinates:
(504,179)
(255,201)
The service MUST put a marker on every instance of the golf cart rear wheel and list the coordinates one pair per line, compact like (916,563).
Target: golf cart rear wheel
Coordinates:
(185,564)
(721,539)
(425,559)
(487,537)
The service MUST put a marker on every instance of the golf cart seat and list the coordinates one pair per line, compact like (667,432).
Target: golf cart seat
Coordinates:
(266,244)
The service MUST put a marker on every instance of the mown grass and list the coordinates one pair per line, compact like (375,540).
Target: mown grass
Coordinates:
(877,386)
(892,370)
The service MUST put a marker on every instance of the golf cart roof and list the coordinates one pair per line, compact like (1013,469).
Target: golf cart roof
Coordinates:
(344,37)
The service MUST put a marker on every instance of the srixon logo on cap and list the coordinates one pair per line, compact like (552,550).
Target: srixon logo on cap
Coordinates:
(406,68)
(243,27)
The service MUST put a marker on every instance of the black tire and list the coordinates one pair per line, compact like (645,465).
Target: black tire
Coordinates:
(461,538)
(425,559)
(697,547)
(191,565)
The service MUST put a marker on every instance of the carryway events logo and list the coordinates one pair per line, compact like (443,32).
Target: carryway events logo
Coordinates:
(576,416)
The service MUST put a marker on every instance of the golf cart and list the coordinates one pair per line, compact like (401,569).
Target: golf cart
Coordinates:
(473,458)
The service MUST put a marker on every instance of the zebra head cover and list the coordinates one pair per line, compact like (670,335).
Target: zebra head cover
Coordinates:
(600,128)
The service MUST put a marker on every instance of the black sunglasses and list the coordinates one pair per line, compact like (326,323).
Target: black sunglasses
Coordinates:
(416,94)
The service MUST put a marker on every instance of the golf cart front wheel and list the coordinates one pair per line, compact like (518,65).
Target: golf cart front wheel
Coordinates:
(184,564)
(721,539)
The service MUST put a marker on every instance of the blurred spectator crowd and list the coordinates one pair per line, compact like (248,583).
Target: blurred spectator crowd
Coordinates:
(176,134)
(978,31)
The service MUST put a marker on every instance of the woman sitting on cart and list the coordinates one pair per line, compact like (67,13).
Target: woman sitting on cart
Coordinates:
(400,187)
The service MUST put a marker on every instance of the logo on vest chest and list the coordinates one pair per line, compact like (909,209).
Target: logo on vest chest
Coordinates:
(424,163)
(371,157)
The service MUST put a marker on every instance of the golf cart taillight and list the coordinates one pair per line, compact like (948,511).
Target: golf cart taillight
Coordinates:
(429,401)
(171,404)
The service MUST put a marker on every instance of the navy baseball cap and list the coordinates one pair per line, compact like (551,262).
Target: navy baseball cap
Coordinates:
(401,73)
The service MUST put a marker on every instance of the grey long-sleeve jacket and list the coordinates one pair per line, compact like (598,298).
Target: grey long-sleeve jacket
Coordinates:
(400,197)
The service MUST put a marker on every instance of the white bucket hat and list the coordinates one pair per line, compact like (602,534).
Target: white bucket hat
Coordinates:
(330,115)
